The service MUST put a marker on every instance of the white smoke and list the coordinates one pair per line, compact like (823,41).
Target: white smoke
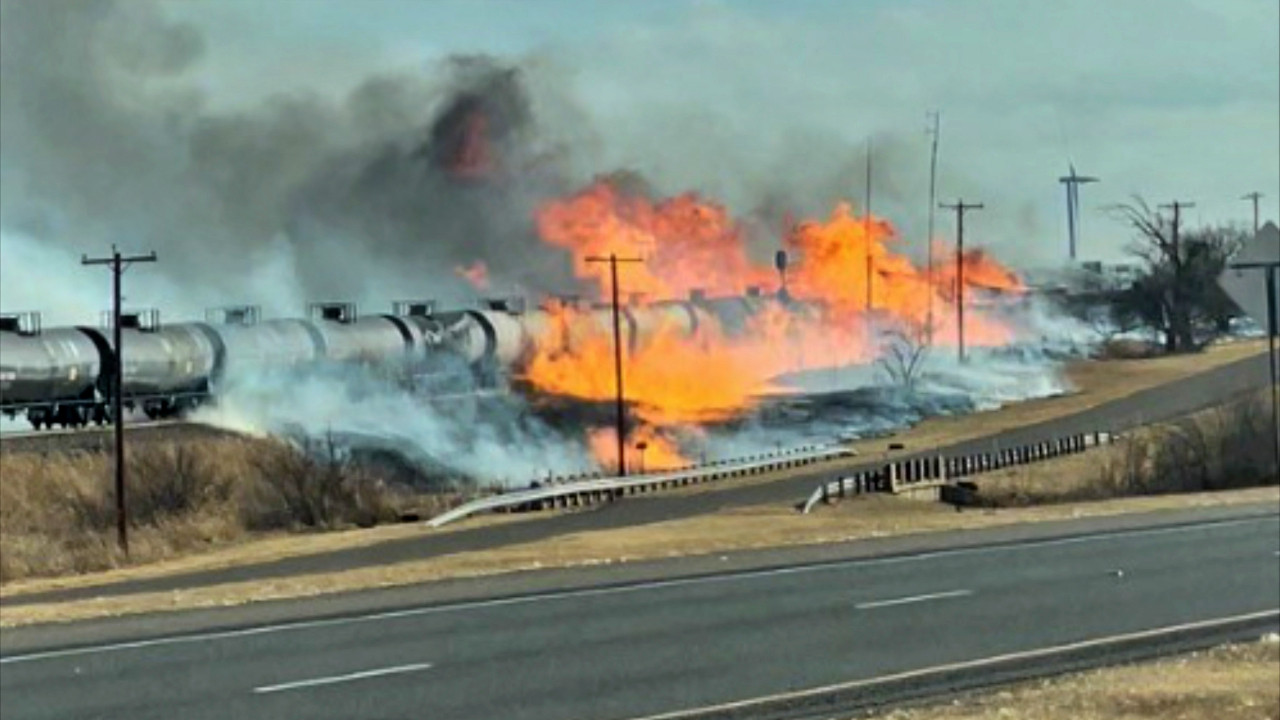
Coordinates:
(81,294)
(486,439)
(850,402)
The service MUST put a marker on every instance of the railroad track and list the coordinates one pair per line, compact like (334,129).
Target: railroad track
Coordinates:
(98,439)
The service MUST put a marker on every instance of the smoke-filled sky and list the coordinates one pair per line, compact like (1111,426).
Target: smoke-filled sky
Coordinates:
(269,150)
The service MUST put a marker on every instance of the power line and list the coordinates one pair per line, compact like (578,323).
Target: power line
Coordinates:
(961,207)
(118,263)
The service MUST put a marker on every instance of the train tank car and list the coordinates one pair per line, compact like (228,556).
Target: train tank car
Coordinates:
(51,375)
(166,369)
(268,345)
(349,338)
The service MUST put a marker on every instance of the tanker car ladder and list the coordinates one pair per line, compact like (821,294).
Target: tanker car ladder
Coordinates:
(942,477)
(584,492)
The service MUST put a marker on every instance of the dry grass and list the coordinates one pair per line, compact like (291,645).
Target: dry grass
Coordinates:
(1234,682)
(737,529)
(1095,382)
(57,512)
(1215,449)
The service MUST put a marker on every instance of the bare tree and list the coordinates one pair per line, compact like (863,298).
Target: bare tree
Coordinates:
(1179,290)
(903,353)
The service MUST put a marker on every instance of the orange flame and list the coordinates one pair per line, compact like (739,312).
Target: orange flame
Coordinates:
(682,363)
(477,273)
(661,379)
(686,243)
(658,452)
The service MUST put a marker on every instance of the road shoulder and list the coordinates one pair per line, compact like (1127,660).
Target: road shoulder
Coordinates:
(93,622)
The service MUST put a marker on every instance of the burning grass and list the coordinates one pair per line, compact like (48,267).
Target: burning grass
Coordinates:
(57,512)
(689,364)
(1233,682)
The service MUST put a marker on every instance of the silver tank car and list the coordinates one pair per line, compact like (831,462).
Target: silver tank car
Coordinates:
(665,316)
(505,338)
(265,345)
(46,368)
(374,339)
(463,333)
(167,361)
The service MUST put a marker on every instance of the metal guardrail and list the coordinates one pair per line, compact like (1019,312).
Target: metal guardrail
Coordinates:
(917,473)
(585,492)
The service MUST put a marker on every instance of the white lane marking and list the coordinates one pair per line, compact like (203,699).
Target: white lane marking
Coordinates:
(334,679)
(597,592)
(963,665)
(912,599)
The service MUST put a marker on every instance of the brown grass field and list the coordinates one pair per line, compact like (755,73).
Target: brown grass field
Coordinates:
(1233,682)
(57,511)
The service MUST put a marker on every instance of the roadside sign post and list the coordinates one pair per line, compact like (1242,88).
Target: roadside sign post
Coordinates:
(1262,253)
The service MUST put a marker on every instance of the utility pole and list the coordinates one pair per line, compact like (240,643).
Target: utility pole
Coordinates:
(935,119)
(118,263)
(1073,183)
(1255,196)
(1177,311)
(867,232)
(619,406)
(961,207)
(1271,268)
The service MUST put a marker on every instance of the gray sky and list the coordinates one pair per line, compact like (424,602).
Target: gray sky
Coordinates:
(201,128)
(1168,98)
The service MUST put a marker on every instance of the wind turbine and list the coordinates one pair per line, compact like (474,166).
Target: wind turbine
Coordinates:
(1073,183)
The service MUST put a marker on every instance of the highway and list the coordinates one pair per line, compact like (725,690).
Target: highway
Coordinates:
(1155,404)
(659,646)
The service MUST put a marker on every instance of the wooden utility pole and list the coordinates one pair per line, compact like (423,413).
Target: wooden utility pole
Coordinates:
(118,263)
(1178,312)
(1255,196)
(867,231)
(619,404)
(961,207)
(935,119)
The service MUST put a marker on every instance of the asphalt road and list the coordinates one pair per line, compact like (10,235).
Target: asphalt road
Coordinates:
(641,649)
(1155,404)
